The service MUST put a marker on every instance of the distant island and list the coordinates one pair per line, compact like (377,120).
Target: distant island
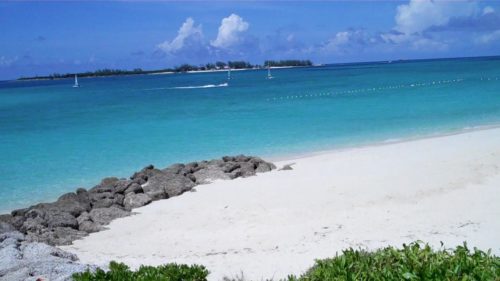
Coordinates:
(219,65)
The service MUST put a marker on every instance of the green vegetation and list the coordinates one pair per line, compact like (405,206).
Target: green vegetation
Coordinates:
(412,262)
(168,272)
(288,63)
(180,68)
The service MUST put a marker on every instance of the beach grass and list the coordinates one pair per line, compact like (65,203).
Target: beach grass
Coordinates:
(415,261)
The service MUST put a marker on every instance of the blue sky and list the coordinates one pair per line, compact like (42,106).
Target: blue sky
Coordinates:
(43,38)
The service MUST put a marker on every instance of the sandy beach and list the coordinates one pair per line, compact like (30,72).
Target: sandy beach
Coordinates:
(276,223)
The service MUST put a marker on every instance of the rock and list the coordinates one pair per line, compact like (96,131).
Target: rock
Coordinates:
(89,227)
(165,185)
(19,212)
(18,221)
(83,217)
(192,168)
(175,168)
(229,167)
(104,216)
(287,167)
(210,174)
(78,213)
(6,227)
(121,186)
(134,188)
(242,158)
(62,219)
(73,203)
(106,185)
(228,158)
(36,250)
(81,191)
(133,200)
(143,176)
(56,236)
(36,225)
(110,181)
(247,169)
(261,165)
(6,224)
(22,260)
(105,199)
(86,224)
(119,199)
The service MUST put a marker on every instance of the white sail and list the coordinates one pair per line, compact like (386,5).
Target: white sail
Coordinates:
(229,74)
(269,76)
(76,82)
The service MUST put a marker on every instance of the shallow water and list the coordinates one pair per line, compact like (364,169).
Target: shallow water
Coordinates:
(54,138)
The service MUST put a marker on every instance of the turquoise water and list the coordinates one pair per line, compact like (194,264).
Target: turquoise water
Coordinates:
(54,138)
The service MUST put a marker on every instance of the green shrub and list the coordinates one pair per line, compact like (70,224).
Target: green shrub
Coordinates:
(168,272)
(412,262)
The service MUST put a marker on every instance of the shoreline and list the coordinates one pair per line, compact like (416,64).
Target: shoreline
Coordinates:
(433,189)
(162,73)
(404,139)
(300,155)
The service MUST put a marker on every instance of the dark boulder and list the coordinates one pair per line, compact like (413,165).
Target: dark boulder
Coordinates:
(134,188)
(165,185)
(122,185)
(104,216)
(73,203)
(106,185)
(175,169)
(56,236)
(133,200)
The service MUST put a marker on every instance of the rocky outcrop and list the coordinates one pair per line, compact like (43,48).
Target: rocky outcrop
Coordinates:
(23,260)
(78,213)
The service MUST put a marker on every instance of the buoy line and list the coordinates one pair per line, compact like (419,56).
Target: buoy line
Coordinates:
(374,89)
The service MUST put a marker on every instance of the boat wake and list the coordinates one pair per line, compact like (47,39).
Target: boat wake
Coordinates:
(191,87)
(203,86)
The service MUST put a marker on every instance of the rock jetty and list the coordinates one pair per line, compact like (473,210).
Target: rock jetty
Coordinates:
(23,260)
(76,214)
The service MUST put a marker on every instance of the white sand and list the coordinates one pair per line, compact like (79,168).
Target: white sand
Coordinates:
(439,189)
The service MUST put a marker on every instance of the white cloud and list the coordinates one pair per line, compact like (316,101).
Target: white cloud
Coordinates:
(488,10)
(488,38)
(231,32)
(353,40)
(188,34)
(418,15)
(5,61)
(337,42)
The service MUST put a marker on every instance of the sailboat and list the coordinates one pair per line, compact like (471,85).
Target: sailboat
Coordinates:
(269,76)
(76,85)
(229,74)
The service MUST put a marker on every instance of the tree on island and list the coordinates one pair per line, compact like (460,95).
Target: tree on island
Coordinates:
(182,68)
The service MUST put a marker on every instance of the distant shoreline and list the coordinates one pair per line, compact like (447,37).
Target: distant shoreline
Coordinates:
(185,68)
(166,73)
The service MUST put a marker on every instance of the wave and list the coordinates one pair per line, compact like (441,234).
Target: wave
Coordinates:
(203,86)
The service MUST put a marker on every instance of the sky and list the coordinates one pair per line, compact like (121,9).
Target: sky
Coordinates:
(41,38)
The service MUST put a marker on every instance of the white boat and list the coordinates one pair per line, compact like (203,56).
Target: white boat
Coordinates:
(76,82)
(269,76)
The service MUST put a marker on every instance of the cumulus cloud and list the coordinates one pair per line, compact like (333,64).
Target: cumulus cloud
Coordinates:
(349,41)
(231,32)
(419,15)
(6,61)
(488,10)
(488,37)
(188,36)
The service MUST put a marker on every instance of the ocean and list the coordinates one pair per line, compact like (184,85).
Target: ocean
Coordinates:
(55,138)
